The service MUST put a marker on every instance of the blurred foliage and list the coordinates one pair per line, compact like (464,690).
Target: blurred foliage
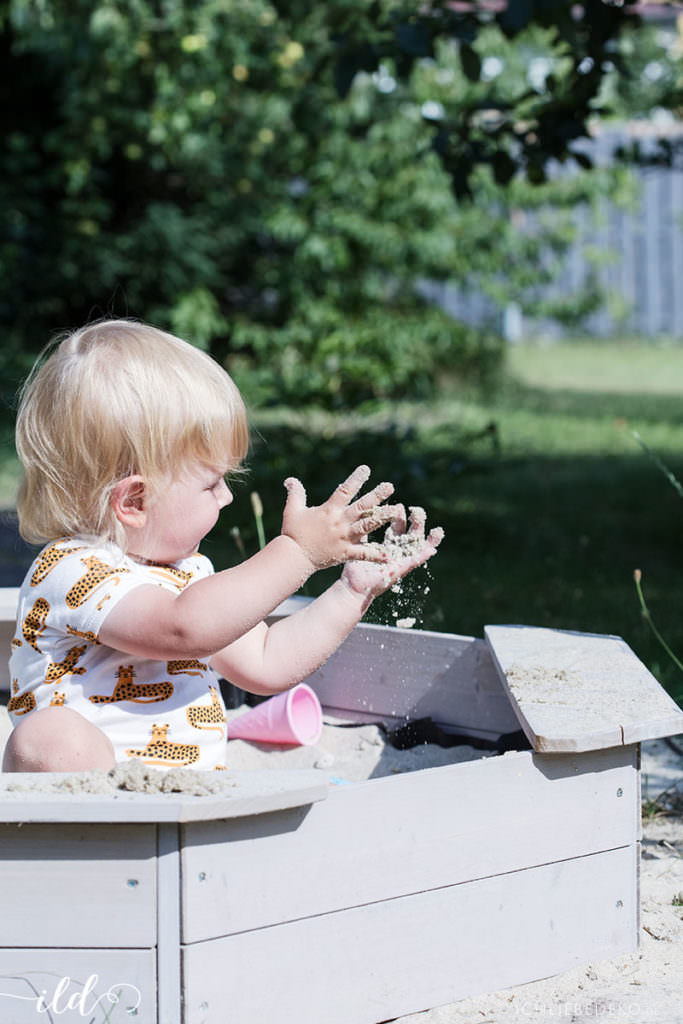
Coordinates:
(195,166)
(326,359)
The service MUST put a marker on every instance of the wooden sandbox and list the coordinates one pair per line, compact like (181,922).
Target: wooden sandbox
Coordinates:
(296,901)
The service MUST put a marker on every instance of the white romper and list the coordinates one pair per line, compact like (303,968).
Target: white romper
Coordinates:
(166,713)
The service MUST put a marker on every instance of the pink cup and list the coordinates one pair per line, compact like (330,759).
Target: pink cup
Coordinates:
(294,716)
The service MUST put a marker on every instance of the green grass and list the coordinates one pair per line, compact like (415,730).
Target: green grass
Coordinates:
(547,500)
(587,367)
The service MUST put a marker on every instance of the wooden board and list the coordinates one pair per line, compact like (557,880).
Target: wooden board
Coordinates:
(388,674)
(78,885)
(580,691)
(168,920)
(395,836)
(247,792)
(76,985)
(400,956)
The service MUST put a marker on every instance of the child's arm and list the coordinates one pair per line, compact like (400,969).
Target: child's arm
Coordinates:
(271,659)
(214,612)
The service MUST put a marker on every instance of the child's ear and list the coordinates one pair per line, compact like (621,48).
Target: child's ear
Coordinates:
(128,501)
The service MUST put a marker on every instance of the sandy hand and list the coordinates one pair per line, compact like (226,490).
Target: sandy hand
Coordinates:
(337,530)
(405,550)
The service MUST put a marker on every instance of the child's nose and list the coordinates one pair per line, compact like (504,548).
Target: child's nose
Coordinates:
(223,495)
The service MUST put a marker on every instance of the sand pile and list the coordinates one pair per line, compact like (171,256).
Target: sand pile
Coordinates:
(132,778)
(345,751)
(348,752)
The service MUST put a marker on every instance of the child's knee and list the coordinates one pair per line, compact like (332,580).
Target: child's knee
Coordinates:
(57,740)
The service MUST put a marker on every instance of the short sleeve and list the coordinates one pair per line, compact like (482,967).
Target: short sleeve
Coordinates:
(76,586)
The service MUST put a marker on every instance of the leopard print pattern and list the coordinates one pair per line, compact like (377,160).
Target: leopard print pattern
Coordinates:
(20,705)
(186,666)
(178,577)
(34,623)
(48,559)
(161,750)
(66,667)
(136,693)
(98,572)
(84,635)
(207,716)
(58,700)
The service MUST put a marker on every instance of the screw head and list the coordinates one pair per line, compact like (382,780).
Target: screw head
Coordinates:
(620,791)
(202,876)
(620,904)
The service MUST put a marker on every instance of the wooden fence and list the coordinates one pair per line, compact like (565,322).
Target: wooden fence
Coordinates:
(642,279)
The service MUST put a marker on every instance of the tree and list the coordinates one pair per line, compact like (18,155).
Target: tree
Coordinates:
(510,129)
(195,165)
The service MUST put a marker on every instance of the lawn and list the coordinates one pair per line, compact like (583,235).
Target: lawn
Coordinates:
(547,499)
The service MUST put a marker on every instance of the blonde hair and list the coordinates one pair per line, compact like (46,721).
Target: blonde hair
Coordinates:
(115,399)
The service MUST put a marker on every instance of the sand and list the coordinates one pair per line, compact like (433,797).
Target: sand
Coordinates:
(347,752)
(641,988)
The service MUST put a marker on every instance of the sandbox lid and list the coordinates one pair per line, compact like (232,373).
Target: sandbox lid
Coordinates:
(242,793)
(579,691)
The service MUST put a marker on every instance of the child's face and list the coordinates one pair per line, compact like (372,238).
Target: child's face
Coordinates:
(182,515)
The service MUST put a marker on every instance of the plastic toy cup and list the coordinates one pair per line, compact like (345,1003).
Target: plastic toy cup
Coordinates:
(294,716)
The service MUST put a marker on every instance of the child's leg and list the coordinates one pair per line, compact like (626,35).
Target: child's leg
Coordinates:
(57,739)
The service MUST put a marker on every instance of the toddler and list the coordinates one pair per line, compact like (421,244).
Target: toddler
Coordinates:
(126,435)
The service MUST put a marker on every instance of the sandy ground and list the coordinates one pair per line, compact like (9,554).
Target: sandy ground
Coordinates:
(641,988)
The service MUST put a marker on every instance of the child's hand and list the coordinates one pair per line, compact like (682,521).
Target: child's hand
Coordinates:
(335,531)
(407,549)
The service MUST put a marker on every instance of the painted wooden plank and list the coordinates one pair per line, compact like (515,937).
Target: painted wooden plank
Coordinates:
(580,691)
(243,792)
(77,885)
(651,254)
(398,835)
(393,674)
(675,294)
(400,956)
(168,925)
(77,986)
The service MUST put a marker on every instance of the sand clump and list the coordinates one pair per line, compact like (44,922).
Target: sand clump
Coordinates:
(403,545)
(398,546)
(134,777)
